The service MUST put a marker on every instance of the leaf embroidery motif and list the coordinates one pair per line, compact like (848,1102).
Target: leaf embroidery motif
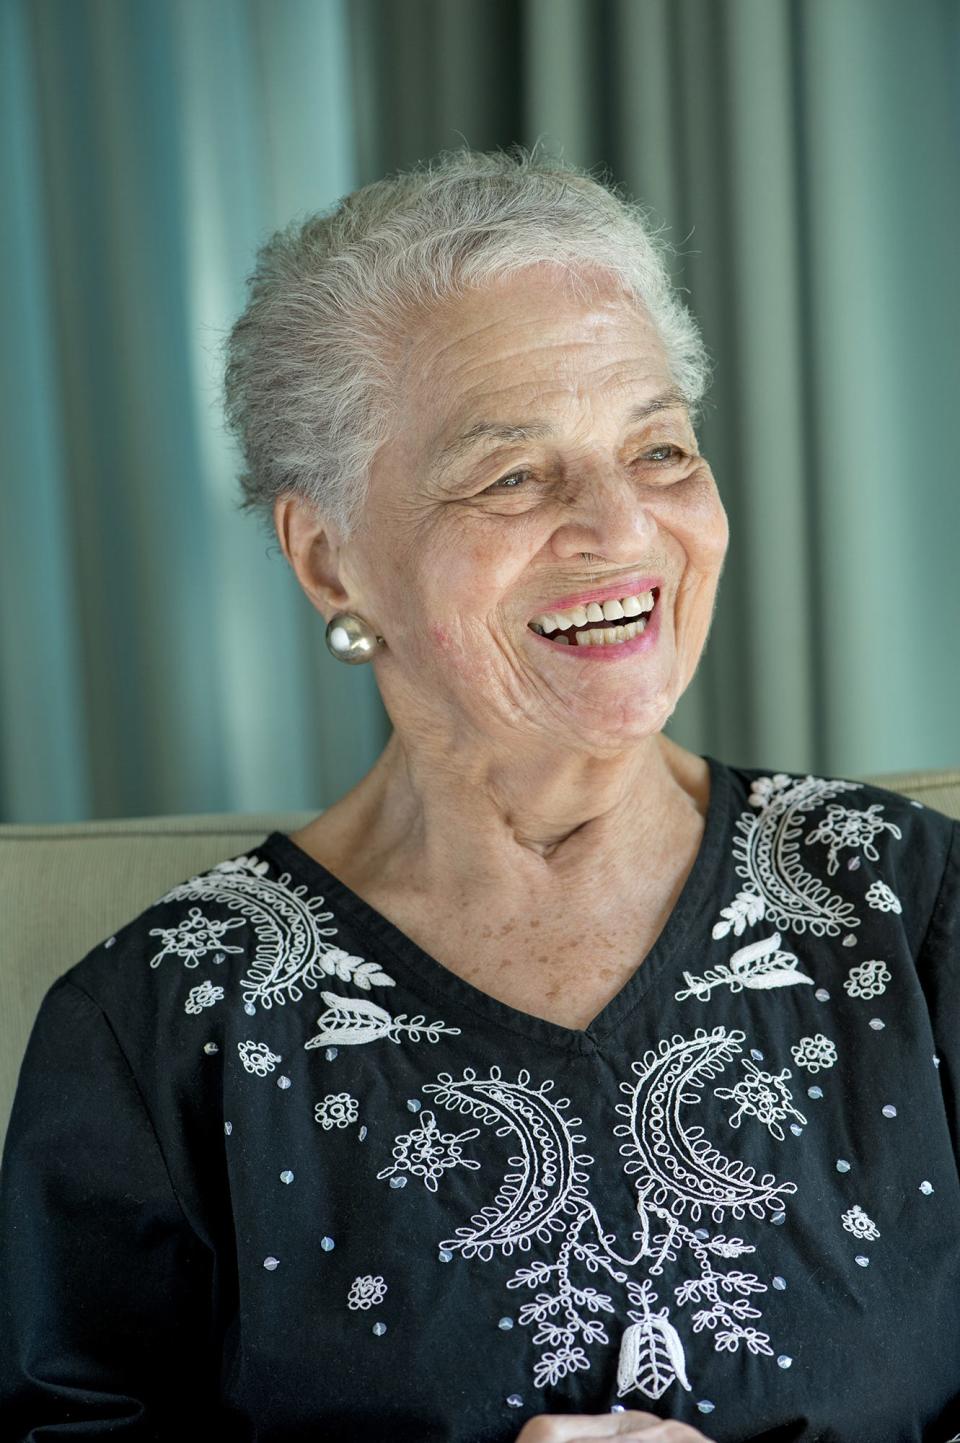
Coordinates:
(651,1357)
(760,965)
(353,1020)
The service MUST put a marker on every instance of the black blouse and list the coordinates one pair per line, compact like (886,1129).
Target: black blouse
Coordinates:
(275,1173)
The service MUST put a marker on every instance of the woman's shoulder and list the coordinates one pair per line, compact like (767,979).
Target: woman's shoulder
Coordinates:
(781,790)
(845,836)
(187,947)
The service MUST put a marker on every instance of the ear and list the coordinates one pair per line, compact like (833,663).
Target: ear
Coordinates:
(312,546)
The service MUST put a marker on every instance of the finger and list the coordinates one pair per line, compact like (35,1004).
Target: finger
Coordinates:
(580,1427)
(663,1430)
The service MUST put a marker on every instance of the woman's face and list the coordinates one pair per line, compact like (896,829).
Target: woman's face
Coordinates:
(464,542)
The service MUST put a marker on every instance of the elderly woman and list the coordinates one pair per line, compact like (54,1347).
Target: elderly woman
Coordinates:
(555,1082)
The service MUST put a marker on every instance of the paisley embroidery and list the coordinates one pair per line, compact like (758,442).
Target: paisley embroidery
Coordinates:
(760,964)
(353,1020)
(767,851)
(843,827)
(291,950)
(676,1172)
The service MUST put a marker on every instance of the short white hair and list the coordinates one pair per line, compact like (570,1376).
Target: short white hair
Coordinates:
(313,366)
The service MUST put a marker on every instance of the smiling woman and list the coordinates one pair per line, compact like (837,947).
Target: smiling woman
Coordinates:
(495,1194)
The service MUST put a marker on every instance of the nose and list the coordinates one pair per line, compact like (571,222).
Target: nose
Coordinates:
(607,517)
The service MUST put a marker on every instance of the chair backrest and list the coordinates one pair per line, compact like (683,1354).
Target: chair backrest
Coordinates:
(65,887)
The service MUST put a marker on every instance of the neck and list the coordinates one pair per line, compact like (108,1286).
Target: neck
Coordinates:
(462,824)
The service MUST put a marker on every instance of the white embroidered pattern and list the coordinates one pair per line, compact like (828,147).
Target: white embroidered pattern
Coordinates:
(763,1095)
(353,1020)
(675,1170)
(205,995)
(291,951)
(193,937)
(427,1152)
(880,897)
(745,909)
(767,851)
(257,1057)
(366,1292)
(856,1221)
(338,1109)
(844,827)
(760,964)
(869,979)
(814,1053)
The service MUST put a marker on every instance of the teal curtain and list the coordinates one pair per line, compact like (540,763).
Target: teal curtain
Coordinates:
(155,653)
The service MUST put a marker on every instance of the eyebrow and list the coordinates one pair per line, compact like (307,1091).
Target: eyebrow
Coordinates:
(537,430)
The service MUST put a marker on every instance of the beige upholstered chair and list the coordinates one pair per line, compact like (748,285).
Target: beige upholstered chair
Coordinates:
(64,888)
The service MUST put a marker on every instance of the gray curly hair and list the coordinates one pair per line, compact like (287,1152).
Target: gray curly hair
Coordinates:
(314,365)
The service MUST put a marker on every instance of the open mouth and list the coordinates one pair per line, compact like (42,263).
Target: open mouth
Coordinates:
(608,623)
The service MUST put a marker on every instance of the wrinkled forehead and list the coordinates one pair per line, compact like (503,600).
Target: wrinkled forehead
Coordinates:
(528,340)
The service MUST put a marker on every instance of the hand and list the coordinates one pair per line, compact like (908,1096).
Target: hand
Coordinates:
(584,1427)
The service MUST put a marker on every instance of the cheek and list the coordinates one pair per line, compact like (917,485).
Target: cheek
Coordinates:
(706,526)
(449,651)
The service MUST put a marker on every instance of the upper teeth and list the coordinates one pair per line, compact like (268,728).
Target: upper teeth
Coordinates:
(612,610)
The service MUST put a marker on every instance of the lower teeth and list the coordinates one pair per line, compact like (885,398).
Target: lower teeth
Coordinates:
(579,637)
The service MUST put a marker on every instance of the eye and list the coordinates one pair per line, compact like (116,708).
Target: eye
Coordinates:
(503,483)
(663,454)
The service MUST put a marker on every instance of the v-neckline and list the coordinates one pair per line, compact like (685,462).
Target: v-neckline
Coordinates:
(696,896)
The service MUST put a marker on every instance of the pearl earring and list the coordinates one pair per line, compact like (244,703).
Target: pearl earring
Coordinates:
(349,638)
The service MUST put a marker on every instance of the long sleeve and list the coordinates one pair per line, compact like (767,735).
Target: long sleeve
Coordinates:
(104,1288)
(939,972)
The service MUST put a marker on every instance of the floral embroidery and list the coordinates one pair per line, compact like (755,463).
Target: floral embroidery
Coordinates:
(760,964)
(882,898)
(200,997)
(291,952)
(767,851)
(353,1020)
(843,827)
(651,1353)
(338,1109)
(856,1221)
(762,1095)
(366,1292)
(193,937)
(257,1057)
(869,979)
(426,1151)
(814,1053)
(675,1171)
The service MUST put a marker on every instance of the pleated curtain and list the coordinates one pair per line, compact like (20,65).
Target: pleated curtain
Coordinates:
(156,654)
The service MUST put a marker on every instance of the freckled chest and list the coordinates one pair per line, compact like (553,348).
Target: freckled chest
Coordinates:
(563,967)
